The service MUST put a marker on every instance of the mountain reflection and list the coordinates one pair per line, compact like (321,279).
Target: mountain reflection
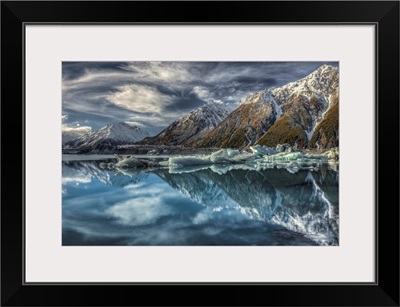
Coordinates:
(291,209)
(92,169)
(304,202)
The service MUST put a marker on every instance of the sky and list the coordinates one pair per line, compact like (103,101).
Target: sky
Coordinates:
(152,94)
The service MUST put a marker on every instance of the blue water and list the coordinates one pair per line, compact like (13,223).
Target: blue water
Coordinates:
(204,207)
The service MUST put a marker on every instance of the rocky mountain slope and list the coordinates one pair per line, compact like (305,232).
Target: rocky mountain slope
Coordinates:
(243,126)
(302,113)
(192,127)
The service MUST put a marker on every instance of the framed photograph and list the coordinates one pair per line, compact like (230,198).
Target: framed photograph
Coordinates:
(206,147)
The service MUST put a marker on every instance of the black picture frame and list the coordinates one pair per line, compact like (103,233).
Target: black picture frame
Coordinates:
(383,14)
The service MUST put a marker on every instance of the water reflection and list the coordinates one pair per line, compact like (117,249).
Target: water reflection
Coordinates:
(198,207)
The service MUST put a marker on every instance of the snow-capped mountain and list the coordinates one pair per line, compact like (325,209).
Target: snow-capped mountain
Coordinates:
(113,134)
(309,111)
(66,137)
(246,99)
(302,113)
(192,127)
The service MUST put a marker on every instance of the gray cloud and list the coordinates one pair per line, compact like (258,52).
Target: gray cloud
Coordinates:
(73,130)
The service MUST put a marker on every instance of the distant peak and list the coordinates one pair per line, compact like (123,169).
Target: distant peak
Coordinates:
(326,67)
(114,124)
(121,124)
(216,102)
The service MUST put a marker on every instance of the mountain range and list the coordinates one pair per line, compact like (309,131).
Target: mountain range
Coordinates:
(304,114)
(111,135)
(191,128)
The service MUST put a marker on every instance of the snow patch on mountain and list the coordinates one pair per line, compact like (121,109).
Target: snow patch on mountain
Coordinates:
(270,98)
(316,84)
(212,114)
(247,99)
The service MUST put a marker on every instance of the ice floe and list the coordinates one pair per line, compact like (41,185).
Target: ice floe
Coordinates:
(223,160)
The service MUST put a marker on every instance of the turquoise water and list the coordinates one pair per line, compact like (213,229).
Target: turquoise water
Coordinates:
(198,207)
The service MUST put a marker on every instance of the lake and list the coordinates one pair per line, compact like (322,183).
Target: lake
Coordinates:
(210,206)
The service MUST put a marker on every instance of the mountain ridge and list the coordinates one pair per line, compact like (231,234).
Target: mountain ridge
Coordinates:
(286,114)
(119,133)
(193,126)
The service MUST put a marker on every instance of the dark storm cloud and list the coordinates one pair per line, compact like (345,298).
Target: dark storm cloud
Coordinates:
(154,94)
(72,70)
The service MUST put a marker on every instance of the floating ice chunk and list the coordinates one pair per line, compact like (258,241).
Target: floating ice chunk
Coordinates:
(229,156)
(223,156)
(315,157)
(245,157)
(284,157)
(182,161)
(224,160)
(232,152)
(284,148)
(263,150)
(332,154)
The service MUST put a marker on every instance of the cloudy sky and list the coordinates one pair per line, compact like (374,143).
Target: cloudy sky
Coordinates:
(154,94)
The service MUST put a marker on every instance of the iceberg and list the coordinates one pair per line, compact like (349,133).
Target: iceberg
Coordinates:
(283,148)
(332,154)
(224,156)
(182,161)
(263,150)
(284,157)
(223,160)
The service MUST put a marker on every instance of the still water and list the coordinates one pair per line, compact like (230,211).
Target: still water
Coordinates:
(210,206)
